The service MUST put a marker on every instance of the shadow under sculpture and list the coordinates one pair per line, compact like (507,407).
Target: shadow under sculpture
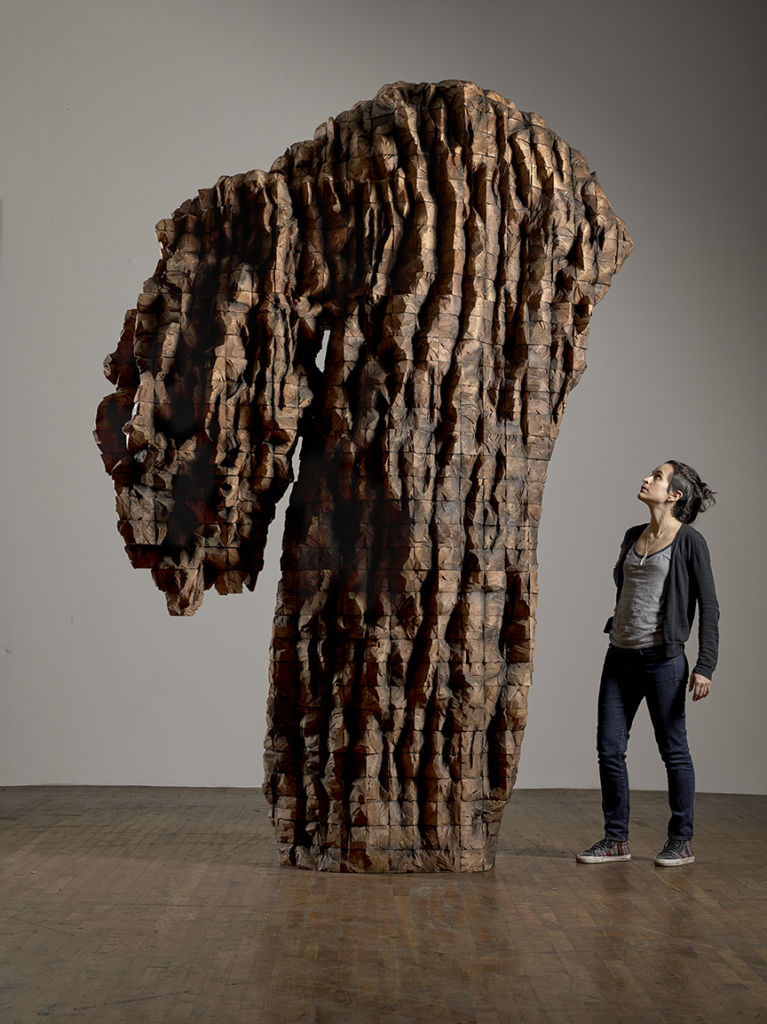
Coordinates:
(454,248)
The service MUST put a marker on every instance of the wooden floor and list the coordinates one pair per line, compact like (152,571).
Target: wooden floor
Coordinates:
(167,905)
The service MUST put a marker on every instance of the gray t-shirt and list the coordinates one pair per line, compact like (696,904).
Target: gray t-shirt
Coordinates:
(638,620)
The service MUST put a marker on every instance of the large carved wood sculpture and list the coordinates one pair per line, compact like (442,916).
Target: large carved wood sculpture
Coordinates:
(454,248)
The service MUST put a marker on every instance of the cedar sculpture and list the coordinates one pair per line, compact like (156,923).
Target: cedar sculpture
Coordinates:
(454,248)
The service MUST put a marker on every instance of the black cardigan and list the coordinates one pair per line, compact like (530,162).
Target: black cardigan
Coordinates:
(690,581)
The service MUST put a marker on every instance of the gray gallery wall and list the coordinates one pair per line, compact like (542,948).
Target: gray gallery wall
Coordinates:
(115,112)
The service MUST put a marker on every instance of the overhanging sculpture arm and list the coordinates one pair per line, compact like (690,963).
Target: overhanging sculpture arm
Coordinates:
(213,377)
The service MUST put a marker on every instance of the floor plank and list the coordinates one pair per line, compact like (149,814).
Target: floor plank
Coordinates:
(128,905)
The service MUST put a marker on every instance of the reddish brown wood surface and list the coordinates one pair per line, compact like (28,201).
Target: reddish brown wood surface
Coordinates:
(454,248)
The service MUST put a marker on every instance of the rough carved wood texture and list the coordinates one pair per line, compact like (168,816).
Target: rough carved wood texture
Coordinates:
(454,248)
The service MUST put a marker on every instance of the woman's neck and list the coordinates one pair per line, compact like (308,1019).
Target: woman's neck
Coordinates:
(662,521)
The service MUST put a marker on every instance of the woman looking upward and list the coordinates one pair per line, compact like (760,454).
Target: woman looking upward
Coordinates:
(663,573)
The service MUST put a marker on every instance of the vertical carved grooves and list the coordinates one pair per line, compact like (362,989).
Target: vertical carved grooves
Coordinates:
(455,248)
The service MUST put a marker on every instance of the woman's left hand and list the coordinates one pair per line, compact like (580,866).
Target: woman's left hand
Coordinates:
(699,686)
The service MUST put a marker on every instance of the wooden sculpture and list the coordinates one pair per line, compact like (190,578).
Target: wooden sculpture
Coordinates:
(454,248)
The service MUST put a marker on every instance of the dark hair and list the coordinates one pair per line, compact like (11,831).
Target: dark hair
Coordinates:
(696,496)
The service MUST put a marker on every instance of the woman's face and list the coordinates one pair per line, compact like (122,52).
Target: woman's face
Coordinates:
(654,489)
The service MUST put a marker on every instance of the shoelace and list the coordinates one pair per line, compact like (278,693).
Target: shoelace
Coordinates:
(675,846)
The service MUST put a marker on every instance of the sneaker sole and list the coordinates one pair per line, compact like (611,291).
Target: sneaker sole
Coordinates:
(601,860)
(661,863)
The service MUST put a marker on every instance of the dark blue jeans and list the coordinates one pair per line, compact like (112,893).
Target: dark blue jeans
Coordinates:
(628,677)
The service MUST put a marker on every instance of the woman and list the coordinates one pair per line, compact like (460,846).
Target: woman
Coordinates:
(663,572)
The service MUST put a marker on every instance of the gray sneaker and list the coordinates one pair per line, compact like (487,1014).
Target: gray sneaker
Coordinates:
(675,853)
(604,851)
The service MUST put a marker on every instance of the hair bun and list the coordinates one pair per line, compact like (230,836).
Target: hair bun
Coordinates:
(696,496)
(708,498)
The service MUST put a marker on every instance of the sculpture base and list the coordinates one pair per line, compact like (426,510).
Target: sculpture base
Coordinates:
(392,862)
